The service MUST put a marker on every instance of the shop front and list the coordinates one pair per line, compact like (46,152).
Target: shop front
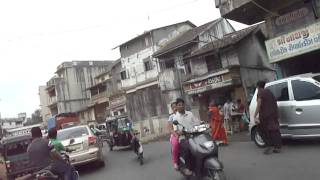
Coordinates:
(294,43)
(219,86)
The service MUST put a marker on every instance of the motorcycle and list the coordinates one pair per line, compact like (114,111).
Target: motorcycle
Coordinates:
(137,147)
(204,153)
(46,174)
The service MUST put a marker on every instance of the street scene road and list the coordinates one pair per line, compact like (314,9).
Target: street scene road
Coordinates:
(242,160)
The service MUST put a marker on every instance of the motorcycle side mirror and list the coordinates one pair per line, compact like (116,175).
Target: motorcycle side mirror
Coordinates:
(175,122)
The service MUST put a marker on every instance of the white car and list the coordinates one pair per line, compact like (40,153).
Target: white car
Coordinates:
(86,146)
(298,99)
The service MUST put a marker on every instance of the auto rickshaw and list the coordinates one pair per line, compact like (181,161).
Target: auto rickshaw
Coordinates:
(119,130)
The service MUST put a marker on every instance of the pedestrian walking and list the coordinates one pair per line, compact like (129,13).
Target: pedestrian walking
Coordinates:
(218,131)
(268,123)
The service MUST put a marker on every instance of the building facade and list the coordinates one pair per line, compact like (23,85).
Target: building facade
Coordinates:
(67,90)
(107,97)
(293,33)
(216,69)
(139,77)
(176,68)
(10,123)
(44,104)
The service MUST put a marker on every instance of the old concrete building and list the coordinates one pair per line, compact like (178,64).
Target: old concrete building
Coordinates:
(292,43)
(67,90)
(220,69)
(10,123)
(139,76)
(44,104)
(107,97)
(174,65)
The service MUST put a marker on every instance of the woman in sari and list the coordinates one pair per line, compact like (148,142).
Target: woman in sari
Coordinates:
(218,131)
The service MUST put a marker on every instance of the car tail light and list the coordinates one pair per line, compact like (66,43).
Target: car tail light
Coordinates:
(92,140)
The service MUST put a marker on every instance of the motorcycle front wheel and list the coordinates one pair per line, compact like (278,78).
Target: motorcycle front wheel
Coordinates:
(216,174)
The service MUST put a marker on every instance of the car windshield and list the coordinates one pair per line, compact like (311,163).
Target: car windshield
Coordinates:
(72,133)
(17,148)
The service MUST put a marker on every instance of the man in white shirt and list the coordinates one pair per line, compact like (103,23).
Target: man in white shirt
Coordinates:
(227,110)
(186,120)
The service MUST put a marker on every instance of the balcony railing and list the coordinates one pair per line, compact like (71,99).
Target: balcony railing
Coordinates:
(52,100)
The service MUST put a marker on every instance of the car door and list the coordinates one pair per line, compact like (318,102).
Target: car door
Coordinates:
(282,94)
(306,110)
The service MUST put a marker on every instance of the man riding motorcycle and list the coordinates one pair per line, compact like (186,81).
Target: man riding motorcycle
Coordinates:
(187,120)
(43,155)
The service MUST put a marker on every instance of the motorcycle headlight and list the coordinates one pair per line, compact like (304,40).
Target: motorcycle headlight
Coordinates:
(208,144)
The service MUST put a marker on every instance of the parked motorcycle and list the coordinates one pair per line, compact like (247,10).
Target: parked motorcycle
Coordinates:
(137,147)
(205,153)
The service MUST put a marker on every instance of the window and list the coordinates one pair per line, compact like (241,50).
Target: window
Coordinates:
(169,64)
(213,63)
(303,90)
(146,41)
(148,65)
(280,91)
(124,75)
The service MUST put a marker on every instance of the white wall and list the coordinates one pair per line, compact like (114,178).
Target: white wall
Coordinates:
(134,64)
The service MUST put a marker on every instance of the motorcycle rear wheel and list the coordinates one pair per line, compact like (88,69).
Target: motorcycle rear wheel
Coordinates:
(216,174)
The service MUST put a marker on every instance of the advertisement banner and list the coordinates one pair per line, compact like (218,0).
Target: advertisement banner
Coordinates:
(294,43)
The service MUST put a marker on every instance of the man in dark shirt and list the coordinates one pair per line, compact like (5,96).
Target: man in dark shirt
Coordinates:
(42,155)
(268,124)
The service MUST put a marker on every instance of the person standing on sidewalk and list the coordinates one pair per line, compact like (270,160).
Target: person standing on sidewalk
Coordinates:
(217,128)
(227,110)
(268,123)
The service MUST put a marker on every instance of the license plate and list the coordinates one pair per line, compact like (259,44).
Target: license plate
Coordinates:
(77,147)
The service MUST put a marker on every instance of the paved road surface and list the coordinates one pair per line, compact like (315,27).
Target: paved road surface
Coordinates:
(242,160)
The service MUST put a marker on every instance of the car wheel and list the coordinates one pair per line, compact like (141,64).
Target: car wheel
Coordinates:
(257,138)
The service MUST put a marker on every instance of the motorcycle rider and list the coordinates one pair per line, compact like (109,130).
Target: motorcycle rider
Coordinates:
(186,120)
(43,155)
(52,135)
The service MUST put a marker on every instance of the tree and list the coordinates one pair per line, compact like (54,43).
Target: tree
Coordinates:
(36,118)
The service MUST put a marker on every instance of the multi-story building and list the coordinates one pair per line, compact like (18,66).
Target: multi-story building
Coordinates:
(212,61)
(44,104)
(107,96)
(67,90)
(293,28)
(139,76)
(10,123)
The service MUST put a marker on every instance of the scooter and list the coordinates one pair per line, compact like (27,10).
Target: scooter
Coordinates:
(204,153)
(137,147)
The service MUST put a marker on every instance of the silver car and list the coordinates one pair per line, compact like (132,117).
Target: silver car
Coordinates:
(298,100)
(86,146)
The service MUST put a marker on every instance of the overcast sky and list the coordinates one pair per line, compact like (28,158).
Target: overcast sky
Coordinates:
(38,35)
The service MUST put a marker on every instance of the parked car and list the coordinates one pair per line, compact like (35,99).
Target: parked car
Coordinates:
(298,99)
(86,146)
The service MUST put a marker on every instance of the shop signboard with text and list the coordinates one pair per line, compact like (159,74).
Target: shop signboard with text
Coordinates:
(293,19)
(208,84)
(294,43)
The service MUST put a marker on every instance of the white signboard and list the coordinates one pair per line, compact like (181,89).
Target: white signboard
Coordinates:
(294,43)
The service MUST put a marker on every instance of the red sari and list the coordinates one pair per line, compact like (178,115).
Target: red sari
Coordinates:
(217,127)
